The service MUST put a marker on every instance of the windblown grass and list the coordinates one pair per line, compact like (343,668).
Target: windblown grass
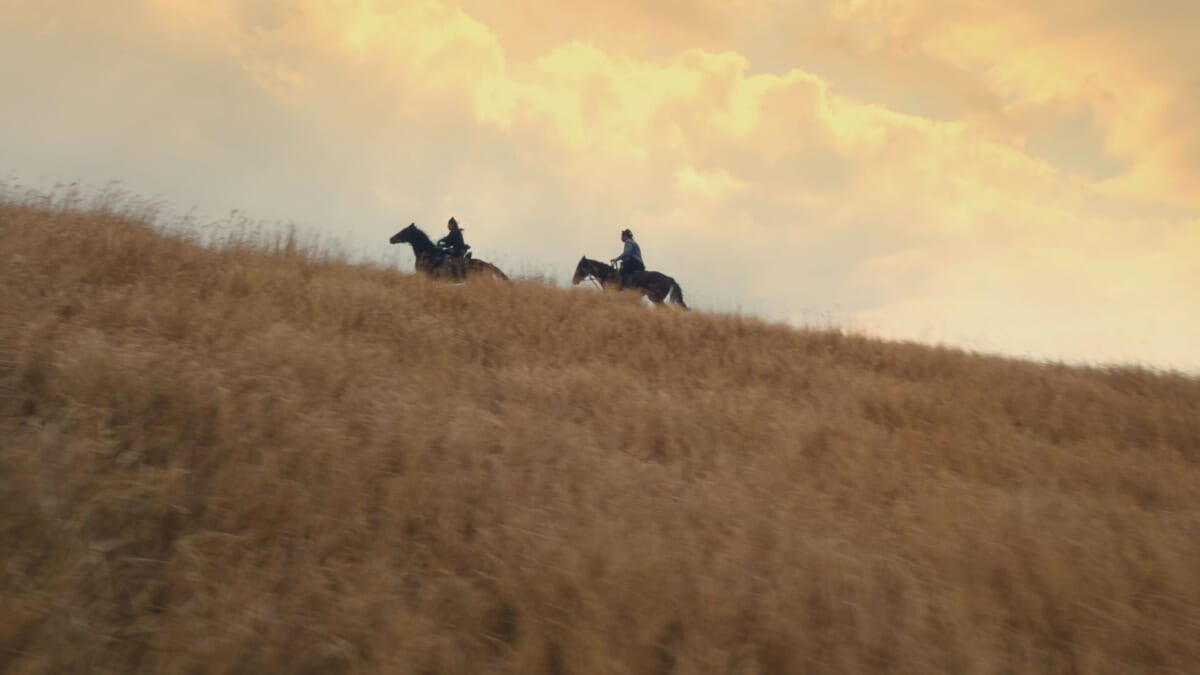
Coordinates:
(258,460)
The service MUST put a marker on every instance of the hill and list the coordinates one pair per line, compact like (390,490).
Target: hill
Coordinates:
(254,459)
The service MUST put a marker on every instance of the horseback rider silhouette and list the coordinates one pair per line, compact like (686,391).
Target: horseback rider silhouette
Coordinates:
(452,244)
(630,258)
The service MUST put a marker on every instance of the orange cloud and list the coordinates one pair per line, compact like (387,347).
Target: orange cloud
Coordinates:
(1094,54)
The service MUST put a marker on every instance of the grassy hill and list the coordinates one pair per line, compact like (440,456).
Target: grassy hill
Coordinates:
(252,460)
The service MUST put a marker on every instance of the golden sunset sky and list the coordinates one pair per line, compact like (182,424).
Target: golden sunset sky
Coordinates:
(1012,176)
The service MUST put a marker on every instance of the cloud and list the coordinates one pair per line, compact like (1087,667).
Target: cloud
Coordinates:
(1134,70)
(625,27)
(714,184)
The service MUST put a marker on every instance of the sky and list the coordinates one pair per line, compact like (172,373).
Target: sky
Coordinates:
(1008,176)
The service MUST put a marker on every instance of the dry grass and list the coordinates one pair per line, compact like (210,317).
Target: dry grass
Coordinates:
(251,461)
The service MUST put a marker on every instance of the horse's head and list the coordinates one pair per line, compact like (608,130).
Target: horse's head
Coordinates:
(592,268)
(405,236)
(581,271)
(587,267)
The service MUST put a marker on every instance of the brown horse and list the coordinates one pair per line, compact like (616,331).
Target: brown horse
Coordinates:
(433,261)
(654,285)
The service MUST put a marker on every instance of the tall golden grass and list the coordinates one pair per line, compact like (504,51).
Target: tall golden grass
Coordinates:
(252,459)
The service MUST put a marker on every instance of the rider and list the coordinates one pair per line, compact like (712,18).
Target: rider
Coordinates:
(452,244)
(630,258)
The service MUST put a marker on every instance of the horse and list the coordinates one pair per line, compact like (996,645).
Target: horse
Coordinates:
(654,285)
(433,261)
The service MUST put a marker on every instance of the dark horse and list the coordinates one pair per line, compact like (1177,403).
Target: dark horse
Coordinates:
(654,285)
(433,261)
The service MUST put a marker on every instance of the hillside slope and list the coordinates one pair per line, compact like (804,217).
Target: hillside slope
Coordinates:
(251,461)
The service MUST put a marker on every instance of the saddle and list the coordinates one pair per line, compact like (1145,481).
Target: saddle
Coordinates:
(625,278)
(445,254)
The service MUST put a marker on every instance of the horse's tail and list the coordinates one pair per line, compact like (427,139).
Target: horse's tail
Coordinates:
(676,294)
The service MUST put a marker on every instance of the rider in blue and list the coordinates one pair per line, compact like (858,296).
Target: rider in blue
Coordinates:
(630,258)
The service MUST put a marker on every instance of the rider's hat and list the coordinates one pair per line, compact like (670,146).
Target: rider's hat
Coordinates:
(453,222)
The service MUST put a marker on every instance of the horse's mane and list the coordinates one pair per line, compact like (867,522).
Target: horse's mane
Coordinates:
(422,239)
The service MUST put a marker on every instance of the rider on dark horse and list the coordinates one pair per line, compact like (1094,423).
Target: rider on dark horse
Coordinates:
(452,245)
(630,258)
